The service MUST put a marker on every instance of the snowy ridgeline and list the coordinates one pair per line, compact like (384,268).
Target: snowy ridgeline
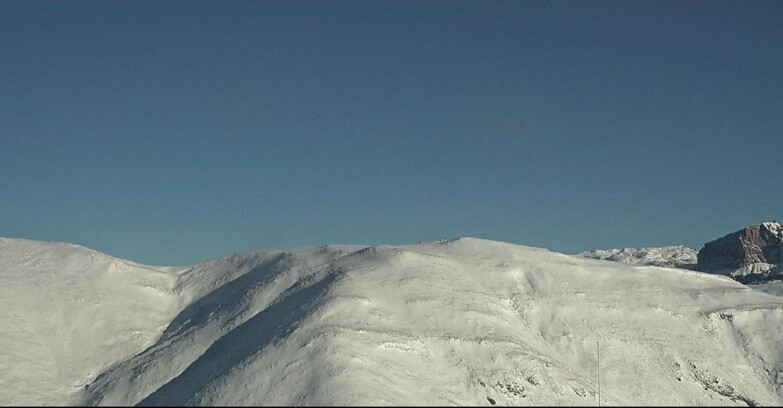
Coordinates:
(669,256)
(466,322)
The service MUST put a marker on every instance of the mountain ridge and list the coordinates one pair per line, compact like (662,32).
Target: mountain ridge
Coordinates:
(675,256)
(465,321)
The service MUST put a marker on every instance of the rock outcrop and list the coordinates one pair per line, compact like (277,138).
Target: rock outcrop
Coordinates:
(749,255)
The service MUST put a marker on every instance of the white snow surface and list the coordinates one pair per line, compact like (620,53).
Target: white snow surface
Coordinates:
(774,228)
(774,287)
(669,256)
(462,322)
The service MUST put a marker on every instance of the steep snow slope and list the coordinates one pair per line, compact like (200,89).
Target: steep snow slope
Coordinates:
(460,322)
(67,313)
(670,256)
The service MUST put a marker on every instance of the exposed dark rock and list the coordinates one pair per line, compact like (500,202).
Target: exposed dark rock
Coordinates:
(751,254)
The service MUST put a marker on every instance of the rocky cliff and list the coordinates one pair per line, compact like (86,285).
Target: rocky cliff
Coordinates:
(751,254)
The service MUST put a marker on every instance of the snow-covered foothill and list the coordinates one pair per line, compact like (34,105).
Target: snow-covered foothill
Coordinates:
(68,313)
(462,322)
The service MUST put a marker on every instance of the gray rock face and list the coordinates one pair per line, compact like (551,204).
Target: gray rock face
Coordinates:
(752,254)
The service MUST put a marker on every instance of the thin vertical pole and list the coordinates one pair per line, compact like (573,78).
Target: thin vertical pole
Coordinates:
(598,352)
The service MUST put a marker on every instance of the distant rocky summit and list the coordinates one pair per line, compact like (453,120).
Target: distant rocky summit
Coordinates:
(752,254)
(670,256)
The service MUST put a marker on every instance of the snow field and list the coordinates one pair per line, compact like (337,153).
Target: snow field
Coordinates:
(463,322)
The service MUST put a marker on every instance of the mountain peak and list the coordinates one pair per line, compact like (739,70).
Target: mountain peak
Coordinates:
(754,253)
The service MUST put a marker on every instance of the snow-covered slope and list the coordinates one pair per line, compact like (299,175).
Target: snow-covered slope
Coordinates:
(669,256)
(67,313)
(467,322)
(772,287)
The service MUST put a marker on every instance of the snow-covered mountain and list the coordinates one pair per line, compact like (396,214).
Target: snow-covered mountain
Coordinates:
(669,256)
(466,322)
(753,254)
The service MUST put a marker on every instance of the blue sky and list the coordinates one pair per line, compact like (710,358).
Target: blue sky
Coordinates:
(172,132)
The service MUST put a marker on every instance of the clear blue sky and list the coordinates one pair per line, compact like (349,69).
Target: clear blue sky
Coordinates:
(172,132)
